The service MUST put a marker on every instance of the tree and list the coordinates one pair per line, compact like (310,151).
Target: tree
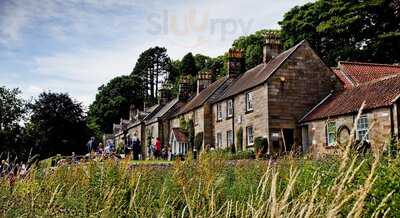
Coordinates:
(203,62)
(153,67)
(113,102)
(57,125)
(188,65)
(11,107)
(346,30)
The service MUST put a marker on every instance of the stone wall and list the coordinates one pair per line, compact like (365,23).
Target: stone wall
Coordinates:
(378,122)
(222,126)
(295,88)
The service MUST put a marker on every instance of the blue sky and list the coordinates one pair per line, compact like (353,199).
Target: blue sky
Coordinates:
(75,46)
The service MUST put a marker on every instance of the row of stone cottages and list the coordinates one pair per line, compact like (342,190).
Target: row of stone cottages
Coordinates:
(292,99)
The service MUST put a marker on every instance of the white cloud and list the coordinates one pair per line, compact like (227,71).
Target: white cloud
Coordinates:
(98,40)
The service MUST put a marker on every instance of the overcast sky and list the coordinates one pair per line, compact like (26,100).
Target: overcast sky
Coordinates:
(75,46)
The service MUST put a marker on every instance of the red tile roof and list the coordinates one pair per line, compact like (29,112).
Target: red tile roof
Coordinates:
(378,93)
(347,83)
(180,135)
(357,73)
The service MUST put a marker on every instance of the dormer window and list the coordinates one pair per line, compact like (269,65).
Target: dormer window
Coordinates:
(249,102)
(229,108)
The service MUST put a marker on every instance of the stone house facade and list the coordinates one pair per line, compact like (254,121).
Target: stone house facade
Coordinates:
(268,100)
(328,126)
(292,100)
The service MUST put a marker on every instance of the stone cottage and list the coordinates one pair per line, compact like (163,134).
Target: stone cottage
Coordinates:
(198,108)
(268,100)
(330,123)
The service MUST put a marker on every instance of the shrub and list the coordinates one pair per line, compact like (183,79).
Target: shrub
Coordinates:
(198,140)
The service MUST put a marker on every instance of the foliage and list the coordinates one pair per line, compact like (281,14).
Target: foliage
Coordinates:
(190,132)
(113,101)
(239,137)
(260,143)
(253,47)
(12,110)
(188,65)
(346,30)
(151,67)
(209,187)
(11,107)
(57,125)
(198,140)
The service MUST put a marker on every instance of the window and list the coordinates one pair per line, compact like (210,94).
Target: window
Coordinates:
(362,128)
(219,111)
(250,136)
(229,108)
(331,133)
(219,139)
(249,102)
(196,117)
(229,138)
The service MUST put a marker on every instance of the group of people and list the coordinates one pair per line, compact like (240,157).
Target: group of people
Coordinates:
(100,149)
(160,152)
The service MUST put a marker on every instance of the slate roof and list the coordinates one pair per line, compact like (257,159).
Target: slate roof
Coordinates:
(356,73)
(378,93)
(162,111)
(213,91)
(180,135)
(259,74)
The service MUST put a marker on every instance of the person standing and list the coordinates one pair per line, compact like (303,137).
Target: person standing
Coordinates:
(135,146)
(157,148)
(90,145)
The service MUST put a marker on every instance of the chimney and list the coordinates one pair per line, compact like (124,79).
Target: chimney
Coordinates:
(165,95)
(204,79)
(236,62)
(184,88)
(272,47)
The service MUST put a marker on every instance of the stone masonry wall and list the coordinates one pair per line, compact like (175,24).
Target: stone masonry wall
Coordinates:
(379,133)
(296,87)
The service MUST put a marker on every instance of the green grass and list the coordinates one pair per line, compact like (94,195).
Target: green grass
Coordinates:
(208,187)
(150,162)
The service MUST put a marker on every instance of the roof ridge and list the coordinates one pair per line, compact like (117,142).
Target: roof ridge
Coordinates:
(366,63)
(379,80)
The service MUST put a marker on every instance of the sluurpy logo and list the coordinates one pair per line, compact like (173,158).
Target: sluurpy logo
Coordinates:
(198,27)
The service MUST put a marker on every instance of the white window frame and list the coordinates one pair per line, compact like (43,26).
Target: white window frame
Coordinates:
(229,138)
(219,112)
(331,133)
(249,102)
(250,137)
(229,108)
(219,139)
(362,127)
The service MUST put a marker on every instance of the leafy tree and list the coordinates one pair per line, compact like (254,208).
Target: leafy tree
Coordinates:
(203,62)
(113,101)
(11,107)
(346,30)
(188,65)
(153,66)
(57,125)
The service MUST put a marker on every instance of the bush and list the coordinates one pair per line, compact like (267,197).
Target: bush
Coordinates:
(198,141)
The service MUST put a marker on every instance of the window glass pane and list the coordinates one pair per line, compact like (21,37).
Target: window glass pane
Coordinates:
(362,128)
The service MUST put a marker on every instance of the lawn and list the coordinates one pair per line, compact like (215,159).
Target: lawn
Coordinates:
(209,187)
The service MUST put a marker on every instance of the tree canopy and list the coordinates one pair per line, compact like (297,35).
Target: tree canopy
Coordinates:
(113,101)
(188,65)
(11,107)
(346,30)
(57,125)
(153,67)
